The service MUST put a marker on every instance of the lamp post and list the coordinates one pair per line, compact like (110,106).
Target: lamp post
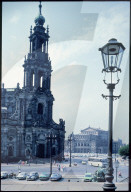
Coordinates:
(116,166)
(51,137)
(86,166)
(69,140)
(112,54)
(7,152)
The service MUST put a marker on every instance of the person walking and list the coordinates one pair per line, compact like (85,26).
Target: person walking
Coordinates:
(120,175)
(59,167)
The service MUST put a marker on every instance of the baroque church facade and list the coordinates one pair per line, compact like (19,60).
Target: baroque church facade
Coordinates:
(27,124)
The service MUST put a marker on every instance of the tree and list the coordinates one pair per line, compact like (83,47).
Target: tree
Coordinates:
(124,150)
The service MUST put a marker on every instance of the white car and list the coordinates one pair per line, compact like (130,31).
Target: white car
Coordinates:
(22,176)
(55,177)
(4,175)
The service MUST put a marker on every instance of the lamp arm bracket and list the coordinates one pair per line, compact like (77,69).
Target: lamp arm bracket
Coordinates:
(114,97)
(105,82)
(104,96)
(117,81)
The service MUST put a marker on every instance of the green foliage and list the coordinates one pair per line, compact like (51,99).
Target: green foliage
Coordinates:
(124,150)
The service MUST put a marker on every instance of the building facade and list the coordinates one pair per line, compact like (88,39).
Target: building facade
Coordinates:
(26,115)
(91,140)
(117,145)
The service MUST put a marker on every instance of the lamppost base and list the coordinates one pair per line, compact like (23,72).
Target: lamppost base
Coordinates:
(69,165)
(109,187)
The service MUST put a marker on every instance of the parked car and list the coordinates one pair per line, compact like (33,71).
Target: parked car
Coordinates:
(75,164)
(21,176)
(44,176)
(88,177)
(83,162)
(32,176)
(100,175)
(123,157)
(55,177)
(4,175)
(11,175)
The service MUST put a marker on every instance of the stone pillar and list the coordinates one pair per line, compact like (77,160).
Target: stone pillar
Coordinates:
(36,79)
(27,78)
(18,144)
(24,78)
(47,47)
(19,108)
(49,82)
(50,103)
(22,144)
(45,148)
(5,142)
(33,143)
(36,149)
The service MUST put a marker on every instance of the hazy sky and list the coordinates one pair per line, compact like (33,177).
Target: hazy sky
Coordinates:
(77,30)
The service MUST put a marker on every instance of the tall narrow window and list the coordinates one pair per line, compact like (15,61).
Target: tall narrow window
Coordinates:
(41,79)
(33,80)
(40,108)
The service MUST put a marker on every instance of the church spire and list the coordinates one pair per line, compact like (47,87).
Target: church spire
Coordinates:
(40,20)
(40,7)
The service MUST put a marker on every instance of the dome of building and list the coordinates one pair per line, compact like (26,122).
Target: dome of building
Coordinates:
(39,20)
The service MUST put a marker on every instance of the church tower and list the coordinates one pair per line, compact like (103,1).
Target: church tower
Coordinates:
(37,67)
(27,122)
(37,73)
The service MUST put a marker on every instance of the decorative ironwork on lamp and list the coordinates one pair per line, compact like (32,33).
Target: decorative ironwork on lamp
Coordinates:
(112,54)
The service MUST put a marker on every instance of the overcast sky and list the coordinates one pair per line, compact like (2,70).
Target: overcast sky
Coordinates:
(77,30)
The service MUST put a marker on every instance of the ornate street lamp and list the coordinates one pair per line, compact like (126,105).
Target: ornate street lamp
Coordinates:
(69,140)
(112,54)
(51,137)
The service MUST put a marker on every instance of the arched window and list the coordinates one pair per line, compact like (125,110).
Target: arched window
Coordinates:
(40,109)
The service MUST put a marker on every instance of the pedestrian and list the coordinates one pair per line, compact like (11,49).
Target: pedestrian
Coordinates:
(59,167)
(63,168)
(120,175)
